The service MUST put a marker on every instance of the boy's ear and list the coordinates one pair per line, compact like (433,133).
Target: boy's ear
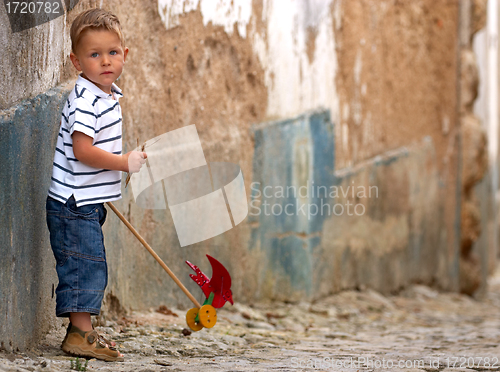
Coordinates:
(75,61)
(125,52)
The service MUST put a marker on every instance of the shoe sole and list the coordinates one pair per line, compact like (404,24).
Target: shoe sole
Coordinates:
(77,352)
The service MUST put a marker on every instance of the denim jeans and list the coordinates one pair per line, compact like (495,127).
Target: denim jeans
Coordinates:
(78,246)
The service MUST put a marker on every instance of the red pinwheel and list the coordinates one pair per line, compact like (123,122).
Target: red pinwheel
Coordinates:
(219,284)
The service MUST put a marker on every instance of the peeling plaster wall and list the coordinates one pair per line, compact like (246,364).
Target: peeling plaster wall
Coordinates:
(387,72)
(473,154)
(398,83)
(27,271)
(284,34)
(31,65)
(320,229)
(226,13)
(30,62)
(485,45)
(296,45)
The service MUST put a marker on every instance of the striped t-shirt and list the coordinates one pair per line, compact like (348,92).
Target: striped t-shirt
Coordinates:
(95,113)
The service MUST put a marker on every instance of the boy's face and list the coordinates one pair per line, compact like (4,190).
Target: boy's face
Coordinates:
(100,56)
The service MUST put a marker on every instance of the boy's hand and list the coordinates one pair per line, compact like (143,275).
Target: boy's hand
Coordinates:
(135,160)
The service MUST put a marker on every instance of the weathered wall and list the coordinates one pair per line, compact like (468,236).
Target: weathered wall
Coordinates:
(485,46)
(345,94)
(397,84)
(22,67)
(474,152)
(320,230)
(30,67)
(27,272)
(387,72)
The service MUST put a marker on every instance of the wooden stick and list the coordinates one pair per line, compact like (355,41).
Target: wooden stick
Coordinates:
(153,253)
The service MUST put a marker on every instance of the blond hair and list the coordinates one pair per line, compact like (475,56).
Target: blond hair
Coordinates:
(94,19)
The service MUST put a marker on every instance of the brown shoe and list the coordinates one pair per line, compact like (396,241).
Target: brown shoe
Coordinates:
(89,345)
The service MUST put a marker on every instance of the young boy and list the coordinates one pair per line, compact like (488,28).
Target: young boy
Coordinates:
(86,173)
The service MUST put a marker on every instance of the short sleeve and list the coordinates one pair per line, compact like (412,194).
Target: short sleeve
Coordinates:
(82,117)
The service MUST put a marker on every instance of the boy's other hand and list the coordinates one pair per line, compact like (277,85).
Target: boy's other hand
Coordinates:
(135,160)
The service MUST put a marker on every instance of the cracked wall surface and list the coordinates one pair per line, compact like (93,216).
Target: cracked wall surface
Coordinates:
(474,151)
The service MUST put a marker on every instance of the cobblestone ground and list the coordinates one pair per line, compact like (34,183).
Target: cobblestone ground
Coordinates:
(418,330)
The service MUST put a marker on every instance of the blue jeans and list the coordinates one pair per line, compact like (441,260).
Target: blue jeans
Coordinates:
(78,246)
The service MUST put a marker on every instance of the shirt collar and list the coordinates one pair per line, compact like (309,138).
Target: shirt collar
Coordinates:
(98,92)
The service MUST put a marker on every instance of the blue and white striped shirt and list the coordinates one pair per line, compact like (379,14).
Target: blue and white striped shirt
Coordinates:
(95,113)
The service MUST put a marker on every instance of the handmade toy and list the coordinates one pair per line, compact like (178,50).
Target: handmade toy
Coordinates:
(217,290)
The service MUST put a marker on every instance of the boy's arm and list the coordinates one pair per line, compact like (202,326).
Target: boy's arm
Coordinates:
(95,157)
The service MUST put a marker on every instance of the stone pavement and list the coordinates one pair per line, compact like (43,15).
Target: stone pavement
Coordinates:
(418,330)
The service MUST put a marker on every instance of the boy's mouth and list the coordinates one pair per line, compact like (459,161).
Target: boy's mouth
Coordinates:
(106,72)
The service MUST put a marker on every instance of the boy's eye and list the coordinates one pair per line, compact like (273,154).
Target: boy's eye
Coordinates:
(94,55)
(113,52)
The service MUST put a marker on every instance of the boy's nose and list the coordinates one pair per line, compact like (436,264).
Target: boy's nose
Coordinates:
(105,61)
